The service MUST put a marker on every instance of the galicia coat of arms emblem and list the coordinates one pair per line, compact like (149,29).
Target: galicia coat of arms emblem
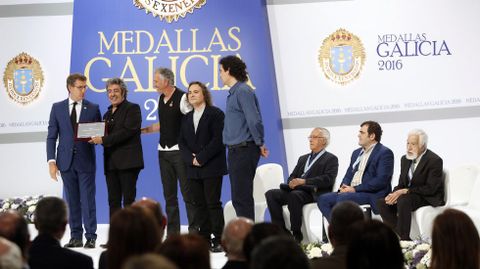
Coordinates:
(341,56)
(23,78)
(170,10)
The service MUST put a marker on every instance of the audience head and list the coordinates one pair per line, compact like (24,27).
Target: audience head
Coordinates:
(259,232)
(344,214)
(10,257)
(370,133)
(133,231)
(319,139)
(156,209)
(15,228)
(187,251)
(373,245)
(232,67)
(233,236)
(198,94)
(279,252)
(149,261)
(51,217)
(455,241)
(416,143)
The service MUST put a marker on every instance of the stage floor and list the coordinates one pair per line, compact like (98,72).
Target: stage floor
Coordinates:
(217,260)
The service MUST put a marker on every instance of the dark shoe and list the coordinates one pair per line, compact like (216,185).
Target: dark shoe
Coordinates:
(103,245)
(74,243)
(216,247)
(90,243)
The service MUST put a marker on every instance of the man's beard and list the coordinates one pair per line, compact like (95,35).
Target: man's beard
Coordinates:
(411,156)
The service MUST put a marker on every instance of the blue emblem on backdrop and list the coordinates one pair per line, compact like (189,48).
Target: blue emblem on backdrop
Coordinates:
(113,38)
(341,57)
(23,81)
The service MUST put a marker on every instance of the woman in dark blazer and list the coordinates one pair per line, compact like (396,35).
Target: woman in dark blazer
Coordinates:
(203,152)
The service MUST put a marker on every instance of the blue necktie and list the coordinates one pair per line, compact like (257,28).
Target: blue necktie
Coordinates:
(357,161)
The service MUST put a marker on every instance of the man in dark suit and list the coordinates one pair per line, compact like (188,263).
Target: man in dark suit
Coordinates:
(369,174)
(45,251)
(204,155)
(123,155)
(420,184)
(75,159)
(344,214)
(313,175)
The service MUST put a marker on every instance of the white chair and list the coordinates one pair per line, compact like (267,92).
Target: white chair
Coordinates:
(267,176)
(311,222)
(472,207)
(459,183)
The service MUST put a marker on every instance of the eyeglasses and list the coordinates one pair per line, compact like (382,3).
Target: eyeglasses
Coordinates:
(314,137)
(81,87)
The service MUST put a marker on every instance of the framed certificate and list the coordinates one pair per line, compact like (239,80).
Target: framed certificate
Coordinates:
(86,130)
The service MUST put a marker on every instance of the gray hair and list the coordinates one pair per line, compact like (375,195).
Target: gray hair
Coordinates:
(166,74)
(51,215)
(325,134)
(422,136)
(119,82)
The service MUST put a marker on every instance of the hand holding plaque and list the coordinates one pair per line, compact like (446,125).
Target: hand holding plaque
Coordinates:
(86,130)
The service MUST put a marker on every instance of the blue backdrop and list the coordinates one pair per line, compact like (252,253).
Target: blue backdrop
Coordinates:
(113,38)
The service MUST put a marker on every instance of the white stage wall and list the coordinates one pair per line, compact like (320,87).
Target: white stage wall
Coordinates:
(438,93)
(47,38)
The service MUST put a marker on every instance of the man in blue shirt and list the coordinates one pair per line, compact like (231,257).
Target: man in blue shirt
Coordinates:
(242,133)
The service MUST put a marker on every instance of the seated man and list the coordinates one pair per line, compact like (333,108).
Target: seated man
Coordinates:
(368,175)
(420,184)
(313,175)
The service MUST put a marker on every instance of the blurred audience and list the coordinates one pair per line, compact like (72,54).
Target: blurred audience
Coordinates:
(259,232)
(279,252)
(15,229)
(149,261)
(156,209)
(232,241)
(344,214)
(10,256)
(373,245)
(187,251)
(133,231)
(455,241)
(45,252)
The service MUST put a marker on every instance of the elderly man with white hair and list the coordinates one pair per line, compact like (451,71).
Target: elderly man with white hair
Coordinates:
(420,184)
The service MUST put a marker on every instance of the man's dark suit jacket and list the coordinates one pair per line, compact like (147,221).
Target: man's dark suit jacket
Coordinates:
(46,253)
(206,144)
(427,180)
(122,144)
(321,175)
